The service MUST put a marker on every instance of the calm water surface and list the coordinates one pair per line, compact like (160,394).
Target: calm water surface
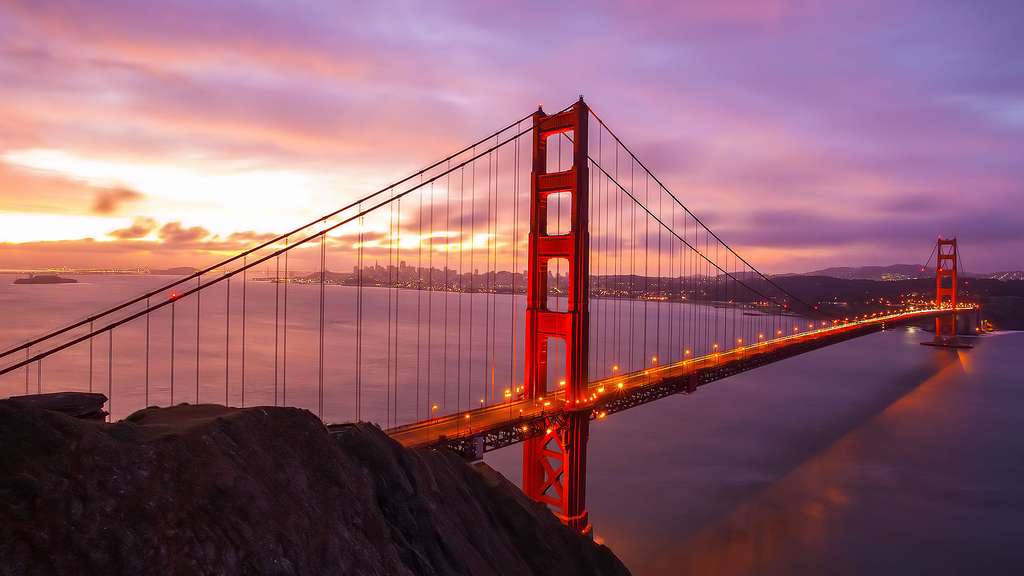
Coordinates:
(874,456)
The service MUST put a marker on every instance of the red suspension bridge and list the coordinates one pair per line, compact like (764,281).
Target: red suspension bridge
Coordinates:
(626,297)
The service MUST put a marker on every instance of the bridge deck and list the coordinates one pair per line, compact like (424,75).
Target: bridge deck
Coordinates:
(475,431)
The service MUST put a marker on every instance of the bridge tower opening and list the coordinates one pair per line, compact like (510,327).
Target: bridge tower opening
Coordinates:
(946,260)
(554,464)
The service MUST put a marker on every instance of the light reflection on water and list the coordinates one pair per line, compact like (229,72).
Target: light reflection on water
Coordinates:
(874,456)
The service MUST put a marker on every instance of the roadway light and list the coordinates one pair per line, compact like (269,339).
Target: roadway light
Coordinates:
(687,352)
(620,385)
(561,383)
(654,359)
(615,367)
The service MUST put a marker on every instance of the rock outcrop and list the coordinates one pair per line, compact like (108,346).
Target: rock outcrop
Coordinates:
(213,490)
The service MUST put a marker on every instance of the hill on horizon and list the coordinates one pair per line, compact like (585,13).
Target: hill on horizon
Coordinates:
(890,272)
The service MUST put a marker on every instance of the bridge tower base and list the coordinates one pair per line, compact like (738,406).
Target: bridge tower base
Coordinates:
(554,465)
(946,282)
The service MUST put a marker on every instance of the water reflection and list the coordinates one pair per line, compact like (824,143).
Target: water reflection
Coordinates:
(874,456)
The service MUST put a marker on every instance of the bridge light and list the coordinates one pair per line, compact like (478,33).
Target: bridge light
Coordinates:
(687,352)
(526,429)
(600,390)
(620,385)
(760,336)
(778,333)
(433,408)
(547,403)
(467,416)
(615,367)
(548,431)
(481,401)
(654,359)
(739,340)
(561,383)
(715,346)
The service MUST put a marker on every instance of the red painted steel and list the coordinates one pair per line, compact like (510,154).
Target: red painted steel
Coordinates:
(554,465)
(946,260)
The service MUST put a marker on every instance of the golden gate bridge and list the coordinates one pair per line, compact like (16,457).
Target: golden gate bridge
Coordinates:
(627,297)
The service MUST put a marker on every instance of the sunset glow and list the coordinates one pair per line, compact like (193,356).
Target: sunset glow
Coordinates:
(120,120)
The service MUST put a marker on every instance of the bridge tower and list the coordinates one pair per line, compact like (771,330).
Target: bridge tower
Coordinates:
(946,261)
(554,464)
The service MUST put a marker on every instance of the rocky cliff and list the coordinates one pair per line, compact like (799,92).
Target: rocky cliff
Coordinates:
(213,490)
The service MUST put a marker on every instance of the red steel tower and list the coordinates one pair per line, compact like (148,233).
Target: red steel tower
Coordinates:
(554,465)
(945,287)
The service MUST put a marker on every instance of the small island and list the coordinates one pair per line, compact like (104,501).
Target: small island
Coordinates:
(45,279)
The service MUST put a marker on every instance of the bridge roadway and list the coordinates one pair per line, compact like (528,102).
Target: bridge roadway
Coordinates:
(476,431)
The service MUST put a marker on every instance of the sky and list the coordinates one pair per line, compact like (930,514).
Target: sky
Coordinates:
(806,134)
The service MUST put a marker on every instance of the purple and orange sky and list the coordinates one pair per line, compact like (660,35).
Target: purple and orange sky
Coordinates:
(807,134)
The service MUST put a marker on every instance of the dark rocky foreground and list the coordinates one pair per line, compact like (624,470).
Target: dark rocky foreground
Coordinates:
(212,490)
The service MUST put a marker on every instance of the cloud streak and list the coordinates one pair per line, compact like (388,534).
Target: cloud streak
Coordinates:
(807,135)
(110,200)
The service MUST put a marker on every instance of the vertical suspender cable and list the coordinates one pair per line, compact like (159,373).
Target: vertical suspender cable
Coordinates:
(320,375)
(172,351)
(245,271)
(446,286)
(227,336)
(277,316)
(199,295)
(284,330)
(147,353)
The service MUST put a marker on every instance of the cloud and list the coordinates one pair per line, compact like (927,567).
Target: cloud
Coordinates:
(251,237)
(749,111)
(108,200)
(140,228)
(175,233)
